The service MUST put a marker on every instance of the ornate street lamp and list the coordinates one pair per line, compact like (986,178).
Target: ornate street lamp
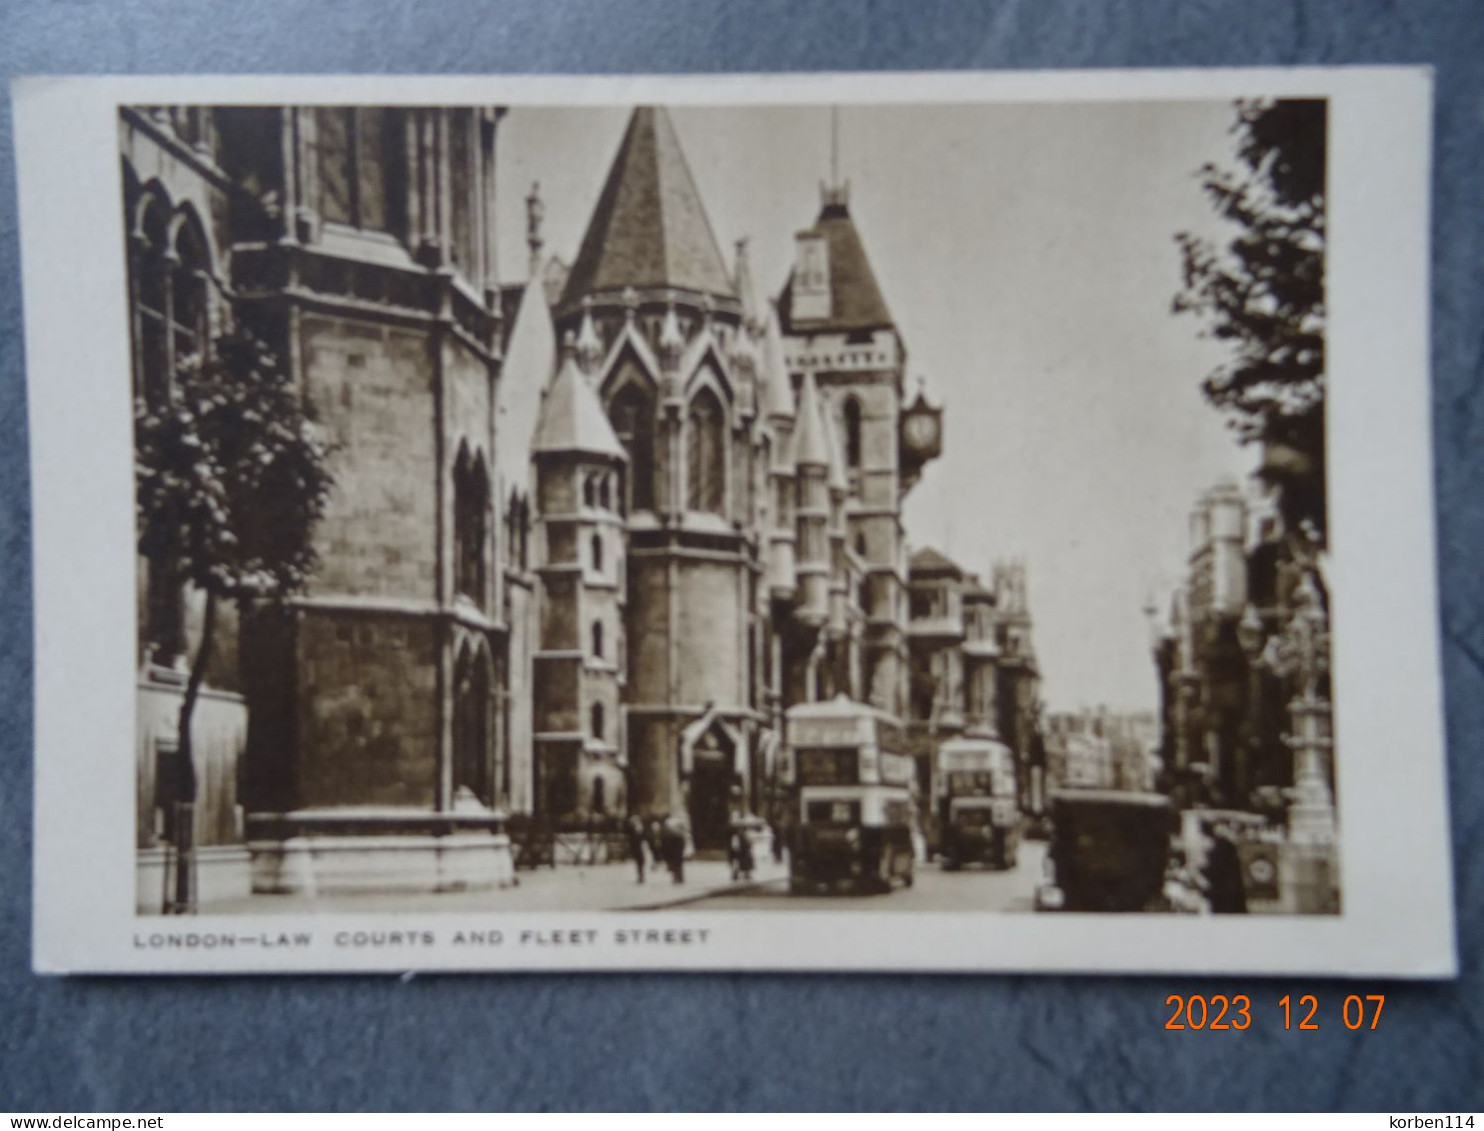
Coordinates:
(1301,652)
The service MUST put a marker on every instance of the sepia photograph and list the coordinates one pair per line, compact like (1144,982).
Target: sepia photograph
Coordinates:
(710,511)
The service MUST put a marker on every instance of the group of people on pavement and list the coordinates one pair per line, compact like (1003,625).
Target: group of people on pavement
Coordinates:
(660,839)
(666,839)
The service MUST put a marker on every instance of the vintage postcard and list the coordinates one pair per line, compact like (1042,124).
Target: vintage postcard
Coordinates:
(918,522)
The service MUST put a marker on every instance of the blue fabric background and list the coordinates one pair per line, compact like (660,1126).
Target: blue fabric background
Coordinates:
(732,1041)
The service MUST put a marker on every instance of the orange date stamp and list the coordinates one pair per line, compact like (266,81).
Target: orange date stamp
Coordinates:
(1211,1012)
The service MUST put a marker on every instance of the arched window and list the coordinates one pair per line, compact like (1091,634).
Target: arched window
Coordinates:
(860,544)
(705,447)
(512,530)
(600,796)
(188,294)
(597,640)
(853,432)
(632,415)
(597,553)
(471,729)
(151,301)
(169,268)
(605,493)
(589,491)
(596,720)
(470,526)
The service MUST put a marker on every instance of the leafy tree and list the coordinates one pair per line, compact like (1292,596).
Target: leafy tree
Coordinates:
(1263,294)
(231,477)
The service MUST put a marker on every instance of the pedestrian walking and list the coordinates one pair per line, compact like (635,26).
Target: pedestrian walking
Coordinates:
(673,840)
(1224,887)
(739,850)
(634,833)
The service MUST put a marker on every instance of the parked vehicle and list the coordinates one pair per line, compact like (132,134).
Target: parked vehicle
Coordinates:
(1108,851)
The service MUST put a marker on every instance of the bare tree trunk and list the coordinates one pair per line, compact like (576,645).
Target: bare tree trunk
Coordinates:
(185,825)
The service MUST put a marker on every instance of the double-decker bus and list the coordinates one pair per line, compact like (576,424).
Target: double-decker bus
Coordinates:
(853,789)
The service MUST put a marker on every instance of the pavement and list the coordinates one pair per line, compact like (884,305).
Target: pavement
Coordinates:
(567,887)
(708,886)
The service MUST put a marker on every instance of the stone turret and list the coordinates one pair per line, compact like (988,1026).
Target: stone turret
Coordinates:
(812,471)
(839,489)
(579,664)
(779,412)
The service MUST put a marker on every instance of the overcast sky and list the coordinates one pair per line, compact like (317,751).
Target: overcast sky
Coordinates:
(1028,256)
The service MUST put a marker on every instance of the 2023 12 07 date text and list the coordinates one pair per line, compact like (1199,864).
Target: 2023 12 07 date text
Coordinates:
(1302,1012)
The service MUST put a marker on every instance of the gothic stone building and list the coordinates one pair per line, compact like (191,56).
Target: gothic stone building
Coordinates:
(719,486)
(589,537)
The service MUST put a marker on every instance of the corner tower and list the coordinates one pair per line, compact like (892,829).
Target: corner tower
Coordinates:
(652,301)
(840,335)
(579,666)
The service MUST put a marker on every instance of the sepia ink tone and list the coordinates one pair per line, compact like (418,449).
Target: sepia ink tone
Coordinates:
(614,561)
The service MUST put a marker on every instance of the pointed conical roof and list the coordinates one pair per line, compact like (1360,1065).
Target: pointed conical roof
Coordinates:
(530,355)
(752,309)
(778,392)
(572,419)
(649,228)
(810,446)
(855,298)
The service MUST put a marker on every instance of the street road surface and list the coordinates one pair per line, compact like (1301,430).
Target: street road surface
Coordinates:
(973,889)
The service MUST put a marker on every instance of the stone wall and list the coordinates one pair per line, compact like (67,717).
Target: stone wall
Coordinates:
(369,724)
(372,387)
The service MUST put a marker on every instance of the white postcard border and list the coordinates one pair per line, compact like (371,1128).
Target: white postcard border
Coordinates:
(1397,914)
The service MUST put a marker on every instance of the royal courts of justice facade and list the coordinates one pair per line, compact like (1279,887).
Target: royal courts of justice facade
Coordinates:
(591,534)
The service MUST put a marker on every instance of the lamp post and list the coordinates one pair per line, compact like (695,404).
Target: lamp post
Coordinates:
(1301,652)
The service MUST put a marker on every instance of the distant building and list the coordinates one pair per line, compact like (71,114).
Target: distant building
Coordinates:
(974,671)
(1224,711)
(1102,749)
(1079,751)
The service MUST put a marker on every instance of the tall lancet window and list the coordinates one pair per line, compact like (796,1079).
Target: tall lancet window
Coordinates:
(853,433)
(470,533)
(169,267)
(632,415)
(705,449)
(471,725)
(188,295)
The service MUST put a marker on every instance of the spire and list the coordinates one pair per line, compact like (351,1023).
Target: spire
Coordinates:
(752,309)
(589,345)
(778,389)
(810,445)
(571,417)
(671,341)
(535,213)
(649,228)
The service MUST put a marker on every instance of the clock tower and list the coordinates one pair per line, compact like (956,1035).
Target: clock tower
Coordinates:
(840,334)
